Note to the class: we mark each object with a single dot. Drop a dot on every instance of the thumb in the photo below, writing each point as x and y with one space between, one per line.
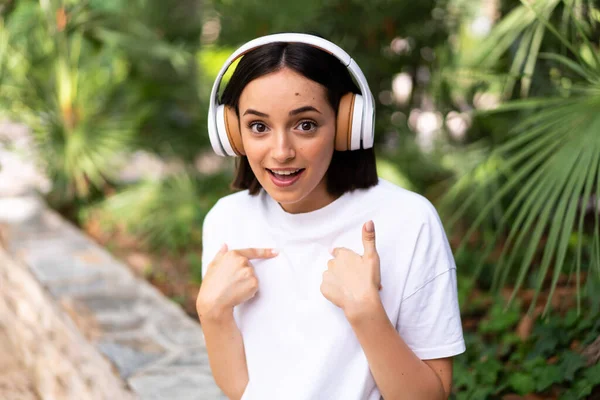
368 237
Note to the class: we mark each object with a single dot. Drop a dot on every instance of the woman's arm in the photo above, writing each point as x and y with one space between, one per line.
226 355
229 280
398 372
351 282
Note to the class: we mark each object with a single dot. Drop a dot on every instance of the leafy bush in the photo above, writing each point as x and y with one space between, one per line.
164 214
501 359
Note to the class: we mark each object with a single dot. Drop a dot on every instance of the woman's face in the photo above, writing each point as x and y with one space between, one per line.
288 131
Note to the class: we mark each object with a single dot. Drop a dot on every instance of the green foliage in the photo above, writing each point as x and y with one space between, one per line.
168 78
178 299
165 214
195 263
548 166
497 362
499 319
389 171
70 69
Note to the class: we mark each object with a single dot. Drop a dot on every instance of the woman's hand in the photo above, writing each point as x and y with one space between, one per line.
229 280
351 281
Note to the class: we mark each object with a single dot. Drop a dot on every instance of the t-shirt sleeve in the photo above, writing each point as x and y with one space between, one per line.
211 238
429 319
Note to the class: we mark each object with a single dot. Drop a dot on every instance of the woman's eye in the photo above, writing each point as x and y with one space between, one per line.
307 126
258 127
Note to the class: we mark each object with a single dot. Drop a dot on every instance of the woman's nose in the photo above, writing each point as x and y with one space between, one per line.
283 147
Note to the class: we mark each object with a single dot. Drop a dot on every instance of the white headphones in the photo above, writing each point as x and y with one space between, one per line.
356 113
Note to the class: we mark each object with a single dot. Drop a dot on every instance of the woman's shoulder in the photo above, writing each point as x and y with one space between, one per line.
237 199
398 201
232 205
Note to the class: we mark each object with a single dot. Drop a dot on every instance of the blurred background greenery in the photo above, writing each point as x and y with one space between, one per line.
490 108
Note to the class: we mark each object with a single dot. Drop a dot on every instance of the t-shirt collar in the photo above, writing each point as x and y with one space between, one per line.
306 223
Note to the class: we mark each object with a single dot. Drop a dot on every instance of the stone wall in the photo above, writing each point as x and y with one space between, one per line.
83 324
57 359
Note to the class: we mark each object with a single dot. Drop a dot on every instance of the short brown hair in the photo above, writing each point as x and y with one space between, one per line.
348 170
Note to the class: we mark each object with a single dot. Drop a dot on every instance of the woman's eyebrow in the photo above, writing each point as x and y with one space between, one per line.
303 109
260 114
293 112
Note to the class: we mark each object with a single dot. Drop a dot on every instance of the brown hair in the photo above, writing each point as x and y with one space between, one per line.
348 170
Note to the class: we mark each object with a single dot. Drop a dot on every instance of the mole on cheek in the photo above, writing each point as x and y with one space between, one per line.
297 94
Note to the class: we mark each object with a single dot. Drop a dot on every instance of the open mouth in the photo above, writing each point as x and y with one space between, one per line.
285 174
285 177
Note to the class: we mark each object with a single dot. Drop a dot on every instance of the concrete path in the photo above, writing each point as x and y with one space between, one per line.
154 346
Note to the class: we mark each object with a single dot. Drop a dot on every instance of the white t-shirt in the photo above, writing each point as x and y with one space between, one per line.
300 346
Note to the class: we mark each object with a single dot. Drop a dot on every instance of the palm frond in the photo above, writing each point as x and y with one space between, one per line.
553 167
74 94
524 30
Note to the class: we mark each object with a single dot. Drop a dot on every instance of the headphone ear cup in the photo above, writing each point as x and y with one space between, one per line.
356 129
349 122
228 129
344 122
233 131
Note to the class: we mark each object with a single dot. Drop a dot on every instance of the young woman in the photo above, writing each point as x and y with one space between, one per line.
299 299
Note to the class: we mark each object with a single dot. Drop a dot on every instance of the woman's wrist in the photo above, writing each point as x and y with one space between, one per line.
364 308
213 312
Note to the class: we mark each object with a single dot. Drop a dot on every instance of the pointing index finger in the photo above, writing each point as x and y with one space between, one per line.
252 253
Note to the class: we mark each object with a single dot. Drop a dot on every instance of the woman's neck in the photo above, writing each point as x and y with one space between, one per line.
315 200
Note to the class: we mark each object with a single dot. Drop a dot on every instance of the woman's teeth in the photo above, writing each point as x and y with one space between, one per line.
285 177
285 173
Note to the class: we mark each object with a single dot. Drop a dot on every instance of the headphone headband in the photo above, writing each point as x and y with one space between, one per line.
368 115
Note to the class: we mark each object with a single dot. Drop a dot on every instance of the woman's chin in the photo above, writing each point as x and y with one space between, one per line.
284 197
